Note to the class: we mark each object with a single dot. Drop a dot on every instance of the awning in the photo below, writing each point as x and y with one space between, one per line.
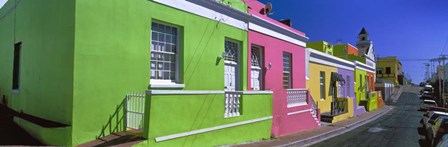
337 77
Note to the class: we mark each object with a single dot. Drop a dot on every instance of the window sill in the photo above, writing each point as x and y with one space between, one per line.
15 91
167 85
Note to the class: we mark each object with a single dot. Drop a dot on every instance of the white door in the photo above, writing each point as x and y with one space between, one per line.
231 65
256 70
230 75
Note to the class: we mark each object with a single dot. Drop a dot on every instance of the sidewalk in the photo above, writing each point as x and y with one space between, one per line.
313 136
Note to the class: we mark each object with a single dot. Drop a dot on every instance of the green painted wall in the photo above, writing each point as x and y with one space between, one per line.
340 51
372 102
46 30
48 136
360 93
77 67
237 4
322 46
112 44
175 114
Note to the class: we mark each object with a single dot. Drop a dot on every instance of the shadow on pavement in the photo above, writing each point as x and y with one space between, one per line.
11 133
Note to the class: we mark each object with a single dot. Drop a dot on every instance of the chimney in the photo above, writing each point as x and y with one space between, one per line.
286 22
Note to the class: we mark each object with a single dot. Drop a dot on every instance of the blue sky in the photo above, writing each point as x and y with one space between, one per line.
409 29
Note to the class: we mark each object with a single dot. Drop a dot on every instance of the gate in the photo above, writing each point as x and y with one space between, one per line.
135 110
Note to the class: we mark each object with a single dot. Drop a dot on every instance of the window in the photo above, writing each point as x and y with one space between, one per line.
16 66
256 70
322 85
231 68
340 90
164 53
360 83
366 83
387 70
348 83
363 38
380 72
287 70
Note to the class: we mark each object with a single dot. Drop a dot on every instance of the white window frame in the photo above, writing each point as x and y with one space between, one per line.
307 63
237 67
259 49
157 83
323 94
290 68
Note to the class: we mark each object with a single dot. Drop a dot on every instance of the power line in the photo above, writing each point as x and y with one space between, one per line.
444 46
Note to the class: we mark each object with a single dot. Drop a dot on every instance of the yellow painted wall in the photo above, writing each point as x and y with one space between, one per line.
391 62
313 84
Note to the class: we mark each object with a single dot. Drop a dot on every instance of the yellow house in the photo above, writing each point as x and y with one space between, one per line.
320 70
319 84
390 69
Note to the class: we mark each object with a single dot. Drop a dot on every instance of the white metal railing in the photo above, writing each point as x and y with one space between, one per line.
135 109
232 103
314 108
297 97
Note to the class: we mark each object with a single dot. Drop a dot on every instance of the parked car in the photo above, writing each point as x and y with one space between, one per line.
441 109
427 104
427 88
422 84
436 132
428 120
426 95
443 141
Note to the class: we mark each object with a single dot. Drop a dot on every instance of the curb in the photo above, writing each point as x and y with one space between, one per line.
318 138
397 95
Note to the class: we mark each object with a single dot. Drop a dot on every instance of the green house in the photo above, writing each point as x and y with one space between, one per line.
173 72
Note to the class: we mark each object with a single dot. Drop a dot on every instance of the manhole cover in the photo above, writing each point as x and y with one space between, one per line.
375 129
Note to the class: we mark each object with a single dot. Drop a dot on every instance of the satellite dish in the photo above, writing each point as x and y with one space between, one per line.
268 8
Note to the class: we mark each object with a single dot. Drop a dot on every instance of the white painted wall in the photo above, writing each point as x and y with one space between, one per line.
2 2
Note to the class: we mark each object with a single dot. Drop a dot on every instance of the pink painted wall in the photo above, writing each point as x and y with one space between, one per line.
256 6
273 80
273 49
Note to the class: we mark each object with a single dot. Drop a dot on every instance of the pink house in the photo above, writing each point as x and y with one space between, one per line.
277 58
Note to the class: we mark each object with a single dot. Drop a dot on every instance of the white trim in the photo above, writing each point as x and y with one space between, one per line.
168 85
184 92
313 51
257 92
301 111
296 105
362 68
15 91
173 136
272 33
204 12
280 26
320 61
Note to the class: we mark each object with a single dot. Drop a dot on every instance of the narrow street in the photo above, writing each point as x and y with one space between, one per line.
398 128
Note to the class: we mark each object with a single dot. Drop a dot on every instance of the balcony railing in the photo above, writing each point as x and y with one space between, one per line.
232 103
297 97
339 106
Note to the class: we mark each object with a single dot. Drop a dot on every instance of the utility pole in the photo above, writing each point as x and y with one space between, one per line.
443 81
441 76
427 72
